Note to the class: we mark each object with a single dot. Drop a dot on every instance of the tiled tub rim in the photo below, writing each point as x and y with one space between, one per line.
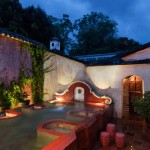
49 131
10 111
64 139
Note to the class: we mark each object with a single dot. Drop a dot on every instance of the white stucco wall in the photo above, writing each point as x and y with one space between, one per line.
105 80
108 80
65 71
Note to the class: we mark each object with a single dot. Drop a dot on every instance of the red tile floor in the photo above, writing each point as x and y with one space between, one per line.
136 131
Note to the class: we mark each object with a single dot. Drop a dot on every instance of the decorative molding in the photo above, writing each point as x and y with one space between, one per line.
89 98
64 92
108 100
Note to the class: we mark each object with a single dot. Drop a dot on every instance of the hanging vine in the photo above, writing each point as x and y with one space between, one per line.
37 54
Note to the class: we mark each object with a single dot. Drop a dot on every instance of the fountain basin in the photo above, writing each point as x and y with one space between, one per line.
9 114
70 135
61 133
102 116
34 107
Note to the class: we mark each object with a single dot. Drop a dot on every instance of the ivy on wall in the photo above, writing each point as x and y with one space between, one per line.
11 96
39 56
37 72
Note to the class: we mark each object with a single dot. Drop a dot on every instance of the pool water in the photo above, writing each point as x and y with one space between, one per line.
21 134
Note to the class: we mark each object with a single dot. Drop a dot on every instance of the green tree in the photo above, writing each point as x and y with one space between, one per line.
123 44
94 33
37 24
62 29
11 13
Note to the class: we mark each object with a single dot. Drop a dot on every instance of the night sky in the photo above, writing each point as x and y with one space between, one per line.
132 16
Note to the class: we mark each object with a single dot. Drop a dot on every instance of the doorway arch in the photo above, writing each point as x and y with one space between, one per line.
132 87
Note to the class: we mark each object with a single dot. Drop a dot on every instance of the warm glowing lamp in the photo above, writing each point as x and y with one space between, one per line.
101 105
59 99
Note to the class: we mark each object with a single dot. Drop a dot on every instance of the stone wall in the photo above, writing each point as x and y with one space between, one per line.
11 59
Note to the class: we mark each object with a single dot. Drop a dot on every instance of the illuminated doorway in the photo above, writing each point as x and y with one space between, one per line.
132 87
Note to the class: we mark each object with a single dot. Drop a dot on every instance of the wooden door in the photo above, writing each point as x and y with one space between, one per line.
135 90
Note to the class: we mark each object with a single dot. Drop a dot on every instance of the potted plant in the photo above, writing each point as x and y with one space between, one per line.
142 106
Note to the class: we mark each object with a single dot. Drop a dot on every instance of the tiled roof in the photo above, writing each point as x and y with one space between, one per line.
18 37
104 61
15 36
95 56
117 59
112 60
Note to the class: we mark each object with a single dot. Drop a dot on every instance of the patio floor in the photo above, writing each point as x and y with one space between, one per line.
136 131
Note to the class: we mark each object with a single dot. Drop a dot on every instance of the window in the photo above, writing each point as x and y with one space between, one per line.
52 44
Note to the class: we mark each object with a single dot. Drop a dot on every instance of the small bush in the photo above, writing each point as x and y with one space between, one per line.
142 105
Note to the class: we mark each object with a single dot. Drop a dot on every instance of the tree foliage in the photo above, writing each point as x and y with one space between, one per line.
93 33
62 29
31 22
37 24
11 15
123 44
96 33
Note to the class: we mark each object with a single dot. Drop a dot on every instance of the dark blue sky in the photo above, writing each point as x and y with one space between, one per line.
132 16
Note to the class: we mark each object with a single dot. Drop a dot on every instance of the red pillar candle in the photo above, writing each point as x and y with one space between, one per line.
111 129
120 140
105 139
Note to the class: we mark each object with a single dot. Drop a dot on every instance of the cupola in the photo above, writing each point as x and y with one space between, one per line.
55 44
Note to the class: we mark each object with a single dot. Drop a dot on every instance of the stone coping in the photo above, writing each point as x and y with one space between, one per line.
83 133
65 140
34 107
10 114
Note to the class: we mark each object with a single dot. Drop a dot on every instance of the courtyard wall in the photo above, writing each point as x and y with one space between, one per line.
64 72
108 81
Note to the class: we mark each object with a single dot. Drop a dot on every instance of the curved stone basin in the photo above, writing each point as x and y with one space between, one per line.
34 107
9 114
96 113
83 113
62 127
60 133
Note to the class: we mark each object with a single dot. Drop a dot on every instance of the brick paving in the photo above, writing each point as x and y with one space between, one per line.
136 131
